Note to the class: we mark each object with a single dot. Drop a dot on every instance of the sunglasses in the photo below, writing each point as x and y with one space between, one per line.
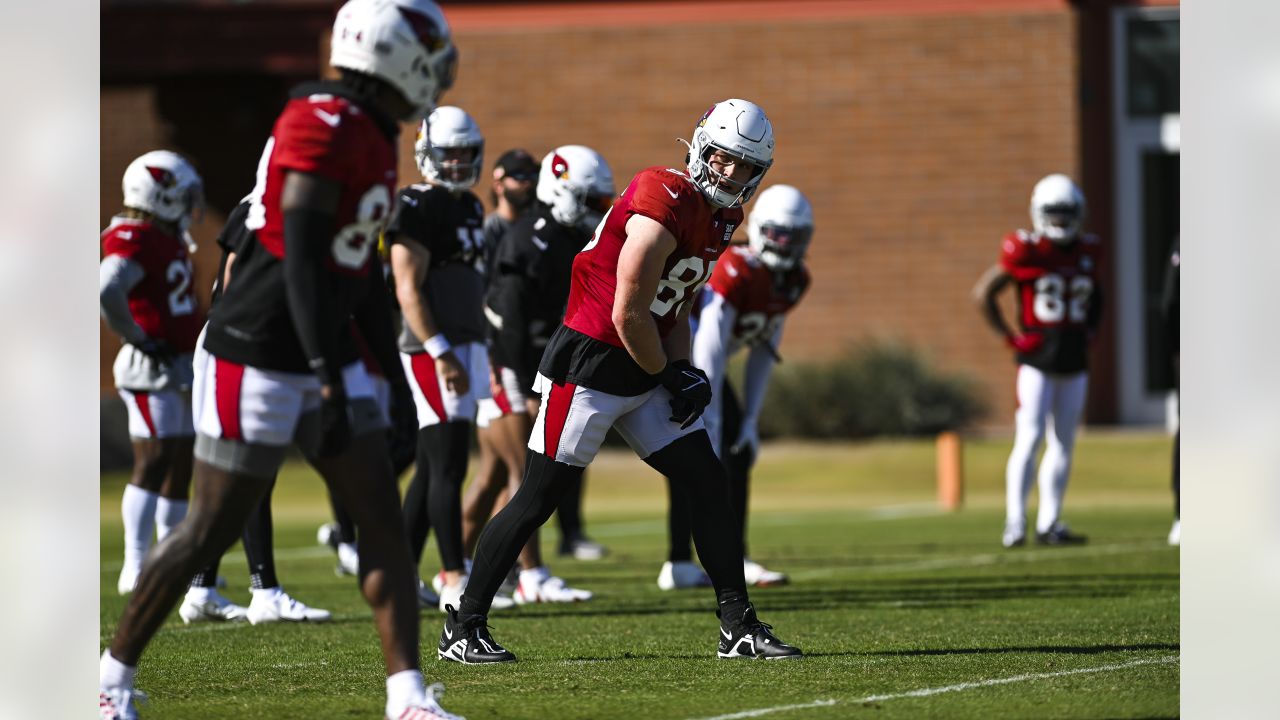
521 176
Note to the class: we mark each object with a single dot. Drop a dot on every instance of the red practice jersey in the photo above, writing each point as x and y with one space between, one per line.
323 132
760 297
329 136
702 233
162 303
1058 295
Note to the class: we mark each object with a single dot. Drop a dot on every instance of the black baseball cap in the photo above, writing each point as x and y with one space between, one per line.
517 163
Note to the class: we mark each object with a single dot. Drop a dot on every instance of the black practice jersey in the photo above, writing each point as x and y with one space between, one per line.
528 289
450 227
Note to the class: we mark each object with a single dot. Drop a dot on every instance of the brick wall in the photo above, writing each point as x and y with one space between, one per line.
917 137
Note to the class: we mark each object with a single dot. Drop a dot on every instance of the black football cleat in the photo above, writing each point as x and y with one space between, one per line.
1060 534
750 638
469 642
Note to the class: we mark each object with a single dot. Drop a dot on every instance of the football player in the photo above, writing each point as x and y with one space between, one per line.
269 603
280 364
525 302
146 298
743 305
436 244
1054 272
620 359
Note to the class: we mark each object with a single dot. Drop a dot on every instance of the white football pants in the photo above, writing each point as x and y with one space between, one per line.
1055 401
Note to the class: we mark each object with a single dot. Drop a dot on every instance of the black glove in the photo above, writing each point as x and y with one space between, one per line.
335 423
157 350
690 391
402 438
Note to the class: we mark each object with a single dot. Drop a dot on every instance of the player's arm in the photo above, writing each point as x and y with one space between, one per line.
987 294
640 266
755 380
509 297
409 263
710 353
374 316
309 205
117 276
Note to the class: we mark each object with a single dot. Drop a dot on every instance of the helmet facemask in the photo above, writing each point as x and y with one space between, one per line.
722 190
780 247
1059 222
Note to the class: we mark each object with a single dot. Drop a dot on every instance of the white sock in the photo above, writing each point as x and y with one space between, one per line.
138 510
114 674
168 514
404 690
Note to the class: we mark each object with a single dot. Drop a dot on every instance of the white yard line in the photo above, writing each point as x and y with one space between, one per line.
886 512
925 692
1009 556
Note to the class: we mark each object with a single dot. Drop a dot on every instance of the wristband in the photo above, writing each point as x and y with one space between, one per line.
437 345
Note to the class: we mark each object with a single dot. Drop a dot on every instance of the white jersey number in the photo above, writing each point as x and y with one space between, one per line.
353 243
178 274
1056 299
674 289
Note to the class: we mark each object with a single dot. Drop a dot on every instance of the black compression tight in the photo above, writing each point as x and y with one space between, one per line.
259 546
434 498
694 469
545 483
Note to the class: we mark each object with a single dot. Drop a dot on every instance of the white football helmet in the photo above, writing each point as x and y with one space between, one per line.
780 227
1057 208
578 185
450 148
405 43
165 185
739 128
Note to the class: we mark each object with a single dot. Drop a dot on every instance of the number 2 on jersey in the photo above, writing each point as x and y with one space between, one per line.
1056 299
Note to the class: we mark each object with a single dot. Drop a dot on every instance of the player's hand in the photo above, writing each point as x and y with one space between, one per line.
1025 344
402 439
690 391
335 423
454 375
748 440
157 350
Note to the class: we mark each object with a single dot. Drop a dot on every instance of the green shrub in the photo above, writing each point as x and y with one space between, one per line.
873 389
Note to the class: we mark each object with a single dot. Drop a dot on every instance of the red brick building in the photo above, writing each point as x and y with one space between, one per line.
916 127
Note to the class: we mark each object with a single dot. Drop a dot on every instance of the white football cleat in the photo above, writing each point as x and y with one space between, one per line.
539 585
119 703
451 595
428 708
502 602
1015 535
1175 532
128 579
437 582
327 534
682 574
207 604
760 576
275 605
348 560
584 549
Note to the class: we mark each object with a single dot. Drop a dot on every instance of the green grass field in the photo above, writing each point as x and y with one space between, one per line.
903 611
